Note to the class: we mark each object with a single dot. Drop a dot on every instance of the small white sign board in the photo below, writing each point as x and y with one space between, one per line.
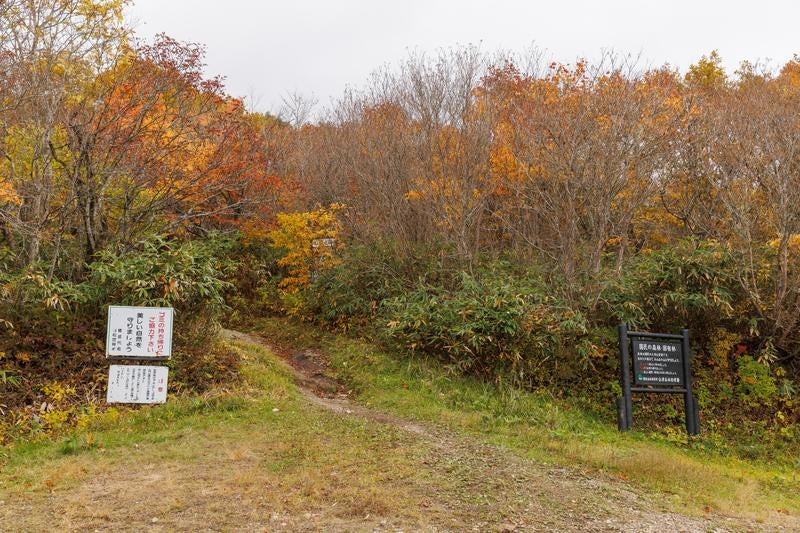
137 384
327 242
139 332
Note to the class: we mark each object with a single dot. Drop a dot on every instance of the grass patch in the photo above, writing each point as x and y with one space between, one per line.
261 456
266 385
254 458
687 471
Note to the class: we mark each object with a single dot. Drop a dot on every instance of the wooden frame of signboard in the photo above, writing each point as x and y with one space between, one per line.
661 364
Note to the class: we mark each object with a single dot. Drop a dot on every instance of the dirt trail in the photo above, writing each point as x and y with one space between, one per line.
318 385
582 502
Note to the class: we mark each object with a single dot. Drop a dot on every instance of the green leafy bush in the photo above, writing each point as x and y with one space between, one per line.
189 276
352 291
690 284
164 272
756 386
492 324
52 330
253 284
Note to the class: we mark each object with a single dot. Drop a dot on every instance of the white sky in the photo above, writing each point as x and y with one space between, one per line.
267 49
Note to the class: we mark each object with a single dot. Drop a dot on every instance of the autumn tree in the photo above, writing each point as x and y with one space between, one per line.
578 153
106 140
50 50
159 148
756 169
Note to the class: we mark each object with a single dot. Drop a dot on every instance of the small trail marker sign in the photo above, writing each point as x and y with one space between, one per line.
139 332
661 365
137 384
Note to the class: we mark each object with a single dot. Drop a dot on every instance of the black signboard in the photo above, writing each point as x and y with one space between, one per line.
657 362
661 365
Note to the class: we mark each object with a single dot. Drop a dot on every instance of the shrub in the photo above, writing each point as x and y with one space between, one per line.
253 284
756 385
189 276
691 284
52 330
492 325
353 290
309 241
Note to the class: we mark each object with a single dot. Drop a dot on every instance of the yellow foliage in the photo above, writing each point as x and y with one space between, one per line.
83 421
504 164
55 419
721 345
21 146
793 244
108 418
708 72
7 193
55 391
310 241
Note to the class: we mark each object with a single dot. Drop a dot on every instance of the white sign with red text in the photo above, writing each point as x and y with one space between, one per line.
139 332
137 384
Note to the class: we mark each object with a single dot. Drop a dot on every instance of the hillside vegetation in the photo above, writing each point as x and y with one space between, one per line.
498 215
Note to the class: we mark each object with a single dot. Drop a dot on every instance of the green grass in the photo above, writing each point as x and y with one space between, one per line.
259 450
231 457
261 456
268 384
537 425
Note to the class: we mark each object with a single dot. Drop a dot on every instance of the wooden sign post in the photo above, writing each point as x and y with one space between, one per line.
661 364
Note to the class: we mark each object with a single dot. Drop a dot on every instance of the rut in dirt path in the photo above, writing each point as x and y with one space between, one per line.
536 496
317 384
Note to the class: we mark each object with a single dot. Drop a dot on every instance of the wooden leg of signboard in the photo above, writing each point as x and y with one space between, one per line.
622 417
690 408
625 376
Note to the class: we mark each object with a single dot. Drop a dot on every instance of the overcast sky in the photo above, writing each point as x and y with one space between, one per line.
266 49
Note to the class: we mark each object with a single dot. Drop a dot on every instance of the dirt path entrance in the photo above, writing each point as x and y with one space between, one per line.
321 388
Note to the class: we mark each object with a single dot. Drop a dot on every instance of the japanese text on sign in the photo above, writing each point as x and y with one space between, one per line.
137 384
657 363
139 332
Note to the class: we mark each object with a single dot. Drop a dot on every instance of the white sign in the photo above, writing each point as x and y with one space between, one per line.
137 384
327 242
139 332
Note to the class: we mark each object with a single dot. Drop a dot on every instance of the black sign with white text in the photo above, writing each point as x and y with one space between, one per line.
661 365
657 362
